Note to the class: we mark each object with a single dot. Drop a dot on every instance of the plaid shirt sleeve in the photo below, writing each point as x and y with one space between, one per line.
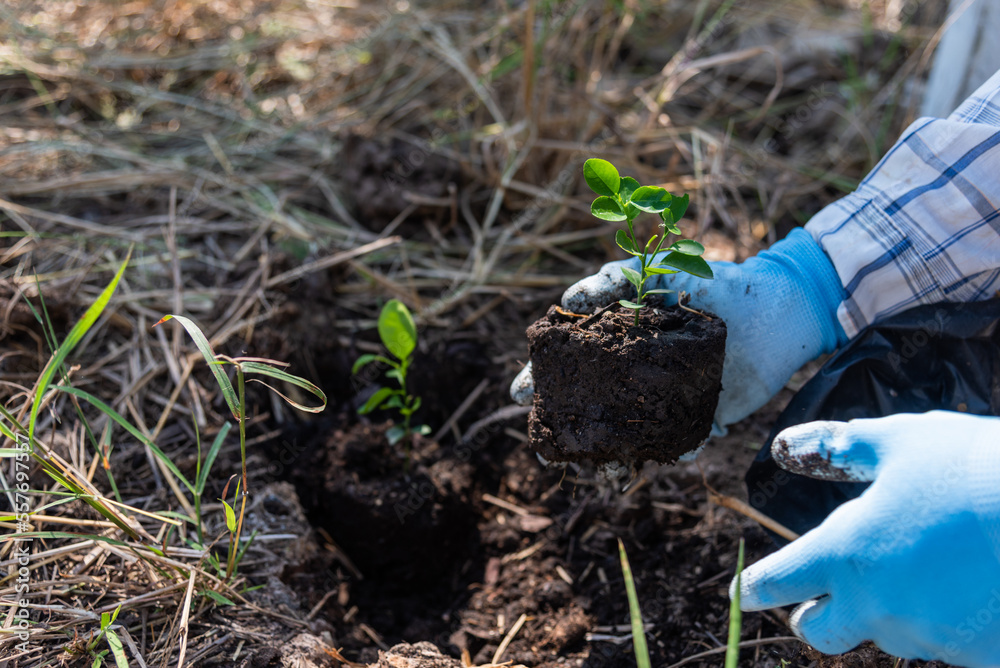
923 226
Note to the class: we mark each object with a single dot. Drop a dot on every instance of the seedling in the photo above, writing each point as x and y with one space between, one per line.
634 612
399 336
236 401
117 649
735 617
622 198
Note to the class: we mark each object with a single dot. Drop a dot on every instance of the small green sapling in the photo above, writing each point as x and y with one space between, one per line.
399 336
622 198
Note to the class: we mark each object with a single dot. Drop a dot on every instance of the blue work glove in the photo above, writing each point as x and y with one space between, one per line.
779 306
914 562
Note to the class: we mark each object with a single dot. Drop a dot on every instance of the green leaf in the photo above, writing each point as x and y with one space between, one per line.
395 374
80 329
117 649
668 223
651 199
649 244
282 375
230 516
395 434
607 208
422 429
634 612
678 207
627 304
692 264
634 277
625 243
129 427
660 270
217 597
735 617
201 342
629 186
659 291
365 360
374 401
415 406
395 401
396 329
688 247
602 177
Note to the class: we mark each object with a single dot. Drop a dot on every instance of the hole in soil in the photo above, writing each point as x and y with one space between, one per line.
458 542
407 525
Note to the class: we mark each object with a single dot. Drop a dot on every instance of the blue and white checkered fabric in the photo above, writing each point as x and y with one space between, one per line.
924 225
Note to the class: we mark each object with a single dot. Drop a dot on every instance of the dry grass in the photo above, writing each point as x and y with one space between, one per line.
245 149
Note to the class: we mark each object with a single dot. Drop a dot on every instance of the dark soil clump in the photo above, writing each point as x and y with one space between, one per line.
608 391
395 513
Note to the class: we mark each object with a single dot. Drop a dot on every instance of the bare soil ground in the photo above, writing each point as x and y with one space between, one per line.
279 169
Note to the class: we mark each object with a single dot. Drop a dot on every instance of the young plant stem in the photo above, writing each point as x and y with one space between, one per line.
735 617
197 492
242 489
645 259
407 411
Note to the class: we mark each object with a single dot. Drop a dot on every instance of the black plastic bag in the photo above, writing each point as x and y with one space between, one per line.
939 356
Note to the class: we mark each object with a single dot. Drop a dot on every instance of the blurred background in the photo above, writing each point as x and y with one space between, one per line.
250 138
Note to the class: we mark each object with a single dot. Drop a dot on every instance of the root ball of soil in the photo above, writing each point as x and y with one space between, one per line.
606 390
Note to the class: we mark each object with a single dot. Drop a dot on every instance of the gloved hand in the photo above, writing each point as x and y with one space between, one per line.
780 309
914 562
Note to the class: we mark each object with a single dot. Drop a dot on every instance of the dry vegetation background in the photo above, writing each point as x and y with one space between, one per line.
280 168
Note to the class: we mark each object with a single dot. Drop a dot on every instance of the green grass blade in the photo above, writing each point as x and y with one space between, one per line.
246 546
54 471
265 370
201 342
213 452
40 509
79 330
217 597
735 617
634 613
6 431
53 535
44 321
127 426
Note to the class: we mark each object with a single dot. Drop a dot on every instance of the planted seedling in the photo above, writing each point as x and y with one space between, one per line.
621 198
399 336
634 612
735 616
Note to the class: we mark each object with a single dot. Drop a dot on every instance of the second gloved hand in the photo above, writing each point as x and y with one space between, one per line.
779 307
914 562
